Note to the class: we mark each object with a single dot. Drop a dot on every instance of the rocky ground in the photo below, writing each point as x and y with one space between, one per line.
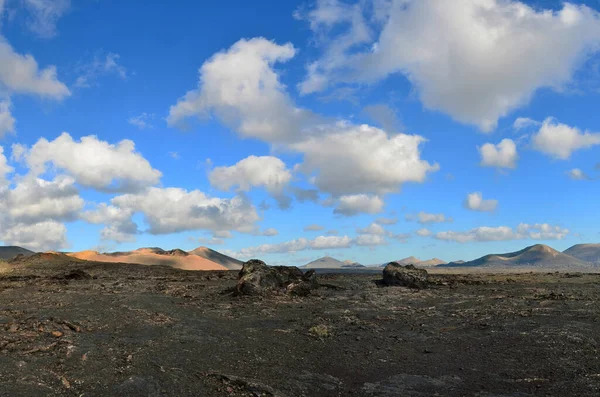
87 329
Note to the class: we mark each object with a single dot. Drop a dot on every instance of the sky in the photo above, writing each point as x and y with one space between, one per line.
367 130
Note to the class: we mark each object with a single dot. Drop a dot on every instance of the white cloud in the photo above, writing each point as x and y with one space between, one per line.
300 244
32 212
330 242
560 140
44 15
20 74
541 231
313 228
484 233
524 122
502 155
384 116
172 210
505 233
425 218
119 226
323 18
100 65
370 240
34 200
424 232
578 175
373 229
362 159
475 202
143 121
339 158
5 169
270 232
94 163
7 121
48 235
476 60
359 203
240 87
265 171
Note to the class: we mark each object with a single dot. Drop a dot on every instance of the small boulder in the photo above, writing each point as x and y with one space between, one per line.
406 276
256 278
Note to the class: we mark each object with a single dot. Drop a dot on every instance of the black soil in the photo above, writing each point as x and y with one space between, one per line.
87 329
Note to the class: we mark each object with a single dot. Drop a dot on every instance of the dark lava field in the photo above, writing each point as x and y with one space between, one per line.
89 329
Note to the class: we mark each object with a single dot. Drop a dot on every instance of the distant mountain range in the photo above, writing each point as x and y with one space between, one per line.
536 256
411 260
203 258
328 262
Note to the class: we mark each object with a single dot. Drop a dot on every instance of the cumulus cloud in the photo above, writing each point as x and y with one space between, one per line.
475 202
384 116
100 65
34 200
20 74
370 240
5 169
504 233
44 14
300 244
424 232
524 122
502 155
270 232
373 229
48 235
560 140
359 203
362 159
240 87
7 121
119 226
265 171
468 58
93 163
172 210
425 218
313 228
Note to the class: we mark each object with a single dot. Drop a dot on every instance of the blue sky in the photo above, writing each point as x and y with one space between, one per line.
392 128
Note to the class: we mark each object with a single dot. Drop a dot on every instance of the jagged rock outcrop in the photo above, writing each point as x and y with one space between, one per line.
256 278
406 276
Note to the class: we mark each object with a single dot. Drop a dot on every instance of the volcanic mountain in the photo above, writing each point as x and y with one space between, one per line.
328 262
540 256
585 252
199 259
10 252
411 260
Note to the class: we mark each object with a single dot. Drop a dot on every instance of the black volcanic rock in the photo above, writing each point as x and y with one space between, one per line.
256 278
406 276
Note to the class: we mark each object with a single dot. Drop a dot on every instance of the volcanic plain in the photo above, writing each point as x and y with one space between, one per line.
79 328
